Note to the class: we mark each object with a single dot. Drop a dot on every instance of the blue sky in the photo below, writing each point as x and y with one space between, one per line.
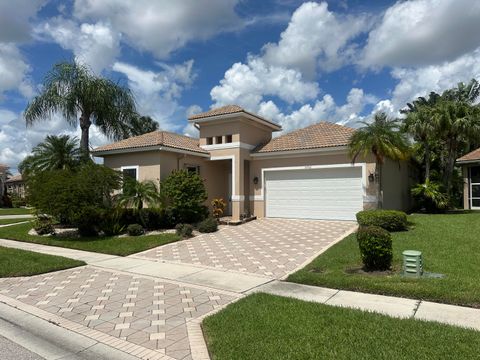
291 61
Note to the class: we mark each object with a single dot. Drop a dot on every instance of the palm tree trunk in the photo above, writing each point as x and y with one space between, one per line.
450 165
427 161
379 185
85 127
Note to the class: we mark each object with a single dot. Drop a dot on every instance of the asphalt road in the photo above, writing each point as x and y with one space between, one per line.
11 351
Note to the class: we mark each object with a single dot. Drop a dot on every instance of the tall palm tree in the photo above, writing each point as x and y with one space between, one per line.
72 90
54 153
383 139
138 193
140 125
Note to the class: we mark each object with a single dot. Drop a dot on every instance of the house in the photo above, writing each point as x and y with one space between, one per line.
16 186
470 164
304 174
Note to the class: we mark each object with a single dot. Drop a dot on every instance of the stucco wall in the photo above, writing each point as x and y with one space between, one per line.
147 161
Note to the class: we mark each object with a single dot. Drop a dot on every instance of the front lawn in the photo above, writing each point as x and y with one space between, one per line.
264 326
17 262
11 221
450 244
15 211
114 245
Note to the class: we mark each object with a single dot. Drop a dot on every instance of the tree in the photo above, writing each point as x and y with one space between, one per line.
138 193
140 125
383 139
71 89
54 153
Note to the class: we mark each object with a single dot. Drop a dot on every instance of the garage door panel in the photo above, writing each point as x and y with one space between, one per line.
334 193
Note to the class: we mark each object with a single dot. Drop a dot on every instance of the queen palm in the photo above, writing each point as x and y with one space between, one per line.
383 139
74 92
138 193
54 153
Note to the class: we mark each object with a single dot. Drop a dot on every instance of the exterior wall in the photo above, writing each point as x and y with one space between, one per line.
17 188
396 183
257 203
148 163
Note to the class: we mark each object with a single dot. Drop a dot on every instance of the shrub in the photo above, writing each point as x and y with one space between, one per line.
135 230
110 223
43 225
184 230
390 220
430 196
152 218
87 219
218 206
208 225
375 246
17 201
184 194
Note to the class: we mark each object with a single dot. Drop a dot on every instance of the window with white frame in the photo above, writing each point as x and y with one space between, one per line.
129 173
195 169
474 193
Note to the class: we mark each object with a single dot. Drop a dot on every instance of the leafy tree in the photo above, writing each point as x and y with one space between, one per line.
138 193
383 139
70 89
184 194
430 196
54 153
140 125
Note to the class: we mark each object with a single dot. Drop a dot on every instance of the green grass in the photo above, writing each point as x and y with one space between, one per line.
267 327
17 262
15 211
450 244
11 221
107 244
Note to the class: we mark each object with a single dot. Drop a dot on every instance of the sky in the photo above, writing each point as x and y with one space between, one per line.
293 62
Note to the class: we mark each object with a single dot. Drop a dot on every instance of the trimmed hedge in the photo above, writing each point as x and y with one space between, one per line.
375 246
184 230
135 230
390 220
208 225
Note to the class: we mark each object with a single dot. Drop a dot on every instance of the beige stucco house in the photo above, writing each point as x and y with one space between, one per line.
16 186
304 174
470 164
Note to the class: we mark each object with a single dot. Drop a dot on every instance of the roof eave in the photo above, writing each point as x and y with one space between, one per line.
296 152
462 162
256 118
101 153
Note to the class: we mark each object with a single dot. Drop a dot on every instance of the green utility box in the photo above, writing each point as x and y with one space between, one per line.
412 263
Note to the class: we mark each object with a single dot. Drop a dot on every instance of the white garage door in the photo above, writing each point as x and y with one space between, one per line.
331 193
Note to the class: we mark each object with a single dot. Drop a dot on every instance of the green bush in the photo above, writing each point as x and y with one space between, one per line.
71 195
43 225
390 220
110 223
184 230
375 246
431 197
208 225
87 219
17 201
135 230
184 193
152 218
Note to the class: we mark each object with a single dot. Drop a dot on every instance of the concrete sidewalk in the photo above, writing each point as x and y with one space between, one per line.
186 273
25 216
386 305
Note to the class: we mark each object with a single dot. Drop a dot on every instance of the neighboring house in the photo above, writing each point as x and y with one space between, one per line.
16 186
304 174
470 164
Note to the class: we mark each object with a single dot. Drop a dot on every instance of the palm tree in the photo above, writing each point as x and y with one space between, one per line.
383 139
140 125
136 193
71 89
54 153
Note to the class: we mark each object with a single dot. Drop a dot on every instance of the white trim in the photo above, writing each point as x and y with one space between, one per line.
232 145
228 157
246 114
238 197
256 197
261 197
148 148
136 167
300 152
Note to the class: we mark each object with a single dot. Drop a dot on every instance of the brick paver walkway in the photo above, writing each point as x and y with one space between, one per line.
152 313
269 247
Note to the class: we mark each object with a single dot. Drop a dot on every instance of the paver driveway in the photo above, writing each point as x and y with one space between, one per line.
268 247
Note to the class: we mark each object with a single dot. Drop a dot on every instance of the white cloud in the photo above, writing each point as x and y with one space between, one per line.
424 32
15 17
247 84
157 92
162 26
13 71
94 44
315 38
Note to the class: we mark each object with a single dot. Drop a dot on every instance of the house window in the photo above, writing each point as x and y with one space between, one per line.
209 140
218 140
129 172
195 169
228 139
474 187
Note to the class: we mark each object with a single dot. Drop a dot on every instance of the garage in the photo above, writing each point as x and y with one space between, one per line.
325 193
